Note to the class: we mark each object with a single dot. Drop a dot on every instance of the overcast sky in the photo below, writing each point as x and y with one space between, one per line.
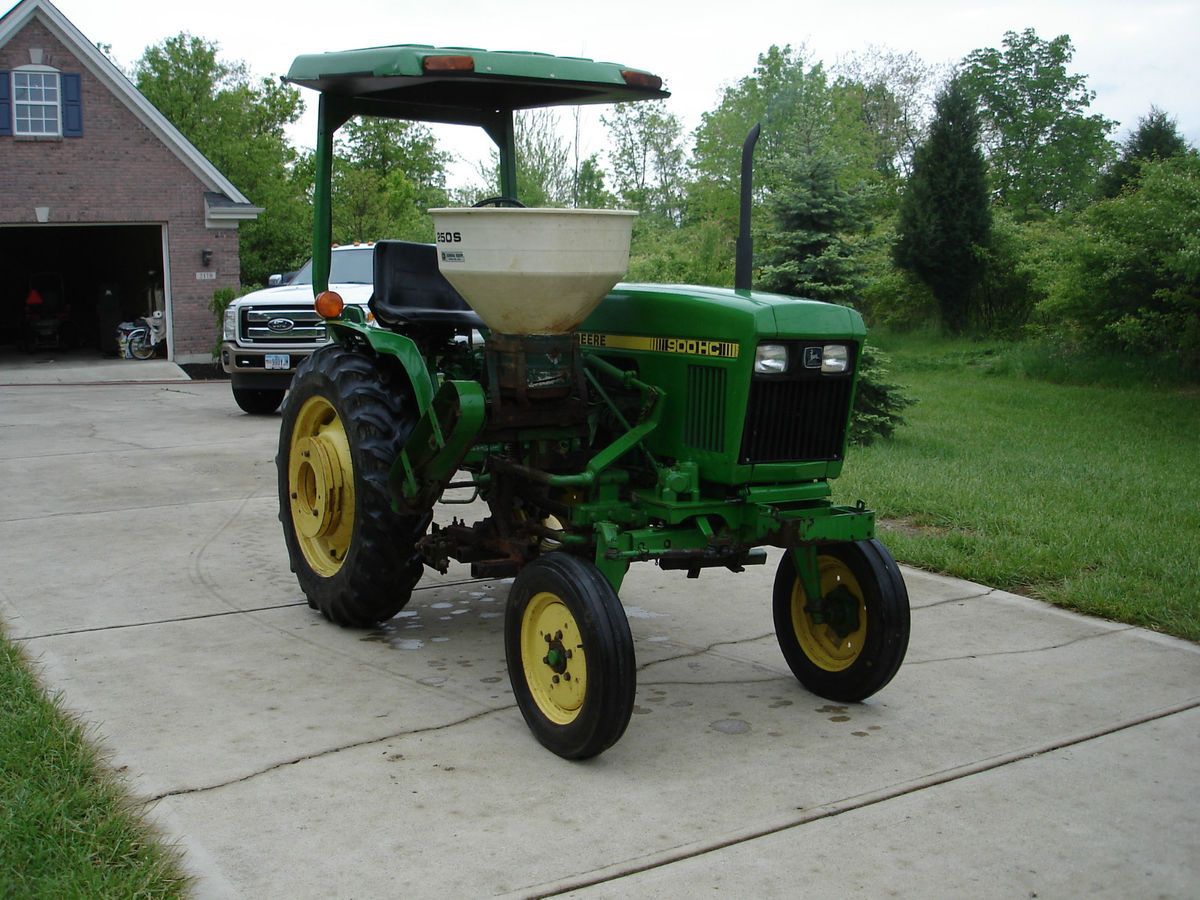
1133 54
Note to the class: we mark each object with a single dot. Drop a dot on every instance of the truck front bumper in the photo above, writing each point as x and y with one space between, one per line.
253 367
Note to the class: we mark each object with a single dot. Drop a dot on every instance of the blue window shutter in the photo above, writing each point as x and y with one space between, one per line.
5 104
72 111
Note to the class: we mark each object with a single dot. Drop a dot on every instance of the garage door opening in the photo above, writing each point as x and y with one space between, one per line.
66 288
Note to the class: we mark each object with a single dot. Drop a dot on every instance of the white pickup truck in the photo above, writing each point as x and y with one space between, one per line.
268 333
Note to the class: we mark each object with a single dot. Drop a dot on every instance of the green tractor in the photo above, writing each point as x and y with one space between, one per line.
603 423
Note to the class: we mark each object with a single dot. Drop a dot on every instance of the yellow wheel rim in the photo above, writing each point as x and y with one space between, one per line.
821 643
552 658
321 486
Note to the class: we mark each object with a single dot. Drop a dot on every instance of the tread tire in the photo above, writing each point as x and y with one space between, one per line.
608 644
381 567
886 600
258 401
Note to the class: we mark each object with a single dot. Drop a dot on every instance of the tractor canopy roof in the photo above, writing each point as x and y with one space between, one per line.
464 85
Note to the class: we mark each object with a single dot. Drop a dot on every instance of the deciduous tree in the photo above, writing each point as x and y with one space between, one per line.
238 123
1044 148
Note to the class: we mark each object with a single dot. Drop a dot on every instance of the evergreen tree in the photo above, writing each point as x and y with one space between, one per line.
810 251
945 219
1156 137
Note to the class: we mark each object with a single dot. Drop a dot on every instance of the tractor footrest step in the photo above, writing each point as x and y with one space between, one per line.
494 568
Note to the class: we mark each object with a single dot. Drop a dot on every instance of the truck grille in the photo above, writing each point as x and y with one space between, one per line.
704 426
798 417
269 325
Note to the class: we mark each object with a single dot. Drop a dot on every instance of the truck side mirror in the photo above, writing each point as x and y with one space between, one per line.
274 280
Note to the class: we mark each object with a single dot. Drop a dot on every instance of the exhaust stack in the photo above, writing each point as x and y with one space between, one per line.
743 270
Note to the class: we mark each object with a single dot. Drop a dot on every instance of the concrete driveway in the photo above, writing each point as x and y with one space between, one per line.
1021 750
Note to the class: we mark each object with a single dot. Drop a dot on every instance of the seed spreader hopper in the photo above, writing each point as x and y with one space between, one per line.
603 423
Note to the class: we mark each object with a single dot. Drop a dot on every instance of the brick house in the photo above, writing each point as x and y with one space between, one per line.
102 200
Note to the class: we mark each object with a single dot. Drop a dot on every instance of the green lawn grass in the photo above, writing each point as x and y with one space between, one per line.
1085 496
65 828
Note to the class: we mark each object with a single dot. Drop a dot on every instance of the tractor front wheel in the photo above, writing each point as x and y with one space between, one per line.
849 642
570 656
344 422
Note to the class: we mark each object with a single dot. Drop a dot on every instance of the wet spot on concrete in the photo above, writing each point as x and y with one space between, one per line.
839 718
442 604
459 612
443 618
641 711
490 615
774 734
491 679
407 614
681 703
655 699
432 680
440 640
831 709
779 704
874 727
730 726
860 734
408 644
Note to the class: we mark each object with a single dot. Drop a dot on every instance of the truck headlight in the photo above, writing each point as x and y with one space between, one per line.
771 359
835 358
229 329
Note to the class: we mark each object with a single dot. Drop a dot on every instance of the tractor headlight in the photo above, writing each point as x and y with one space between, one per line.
229 329
835 358
771 359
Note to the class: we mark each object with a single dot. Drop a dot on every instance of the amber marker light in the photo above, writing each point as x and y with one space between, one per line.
448 64
329 304
642 80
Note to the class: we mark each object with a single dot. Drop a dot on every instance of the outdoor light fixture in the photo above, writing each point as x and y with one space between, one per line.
205 258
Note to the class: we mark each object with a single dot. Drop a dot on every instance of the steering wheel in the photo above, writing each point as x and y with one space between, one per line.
499 201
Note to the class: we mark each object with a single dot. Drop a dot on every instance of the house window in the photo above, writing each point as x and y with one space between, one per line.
37 102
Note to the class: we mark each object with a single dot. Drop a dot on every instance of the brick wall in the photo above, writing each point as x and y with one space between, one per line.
117 173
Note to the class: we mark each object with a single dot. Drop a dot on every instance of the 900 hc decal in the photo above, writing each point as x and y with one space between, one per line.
690 346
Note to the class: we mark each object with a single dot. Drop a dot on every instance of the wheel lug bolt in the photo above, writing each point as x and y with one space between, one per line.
555 679
546 660
558 635
566 676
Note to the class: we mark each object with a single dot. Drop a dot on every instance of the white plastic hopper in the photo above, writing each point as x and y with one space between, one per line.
533 271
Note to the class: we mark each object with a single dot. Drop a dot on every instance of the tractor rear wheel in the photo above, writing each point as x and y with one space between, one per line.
344 422
570 656
850 643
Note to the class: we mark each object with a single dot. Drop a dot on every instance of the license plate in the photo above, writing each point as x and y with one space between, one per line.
278 361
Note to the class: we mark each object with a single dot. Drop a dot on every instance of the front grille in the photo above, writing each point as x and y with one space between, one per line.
800 416
704 425
791 421
254 325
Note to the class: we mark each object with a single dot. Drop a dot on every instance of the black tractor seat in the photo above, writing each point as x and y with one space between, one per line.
411 291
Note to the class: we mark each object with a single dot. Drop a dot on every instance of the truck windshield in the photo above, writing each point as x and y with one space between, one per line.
352 266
